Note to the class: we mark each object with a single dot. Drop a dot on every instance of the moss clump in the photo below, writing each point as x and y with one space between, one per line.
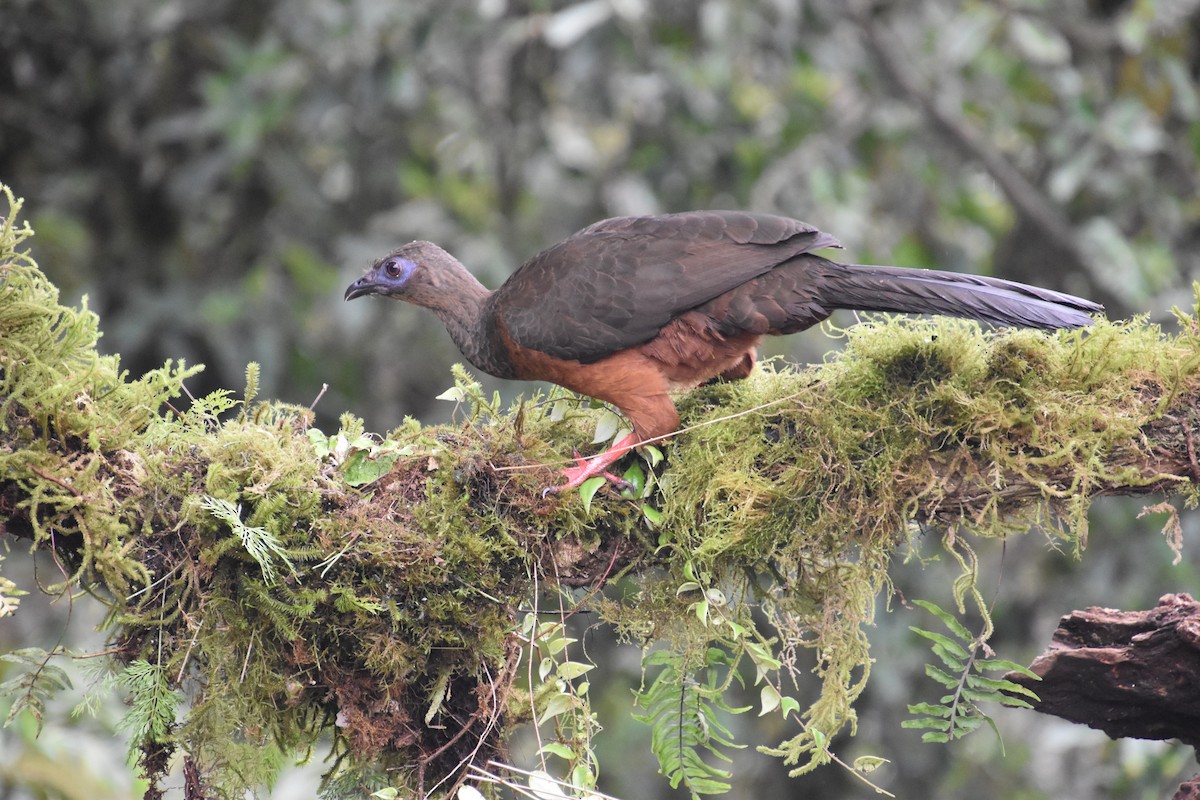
70 420
306 606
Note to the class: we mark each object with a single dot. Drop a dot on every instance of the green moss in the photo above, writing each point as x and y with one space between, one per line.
820 480
368 587
56 390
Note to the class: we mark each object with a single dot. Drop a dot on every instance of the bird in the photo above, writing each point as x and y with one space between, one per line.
632 310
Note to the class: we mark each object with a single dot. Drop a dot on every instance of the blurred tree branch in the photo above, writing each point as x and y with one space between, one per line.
1030 202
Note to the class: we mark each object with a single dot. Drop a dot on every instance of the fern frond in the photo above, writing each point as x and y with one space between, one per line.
683 718
959 713
262 545
31 689
152 702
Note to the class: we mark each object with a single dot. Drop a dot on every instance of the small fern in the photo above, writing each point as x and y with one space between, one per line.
262 545
31 689
152 702
682 715
958 713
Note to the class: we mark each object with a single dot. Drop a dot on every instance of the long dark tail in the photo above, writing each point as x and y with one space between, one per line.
921 291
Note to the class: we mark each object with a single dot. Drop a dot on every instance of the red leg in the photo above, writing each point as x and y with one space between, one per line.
595 465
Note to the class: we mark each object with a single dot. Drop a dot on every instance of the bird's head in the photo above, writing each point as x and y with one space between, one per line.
418 272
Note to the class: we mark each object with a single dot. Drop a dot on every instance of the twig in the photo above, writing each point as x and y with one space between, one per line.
324 388
53 479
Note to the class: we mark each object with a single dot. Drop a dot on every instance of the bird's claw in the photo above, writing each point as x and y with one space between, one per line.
577 475
595 465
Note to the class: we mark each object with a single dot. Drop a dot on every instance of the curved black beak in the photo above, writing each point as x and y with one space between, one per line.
363 286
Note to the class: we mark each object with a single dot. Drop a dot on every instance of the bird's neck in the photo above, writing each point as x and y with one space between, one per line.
470 321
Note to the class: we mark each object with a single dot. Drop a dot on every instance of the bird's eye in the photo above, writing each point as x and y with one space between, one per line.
392 267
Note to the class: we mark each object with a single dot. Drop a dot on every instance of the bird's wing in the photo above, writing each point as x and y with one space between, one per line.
617 283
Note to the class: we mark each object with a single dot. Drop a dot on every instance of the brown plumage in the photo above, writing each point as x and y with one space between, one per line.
630 309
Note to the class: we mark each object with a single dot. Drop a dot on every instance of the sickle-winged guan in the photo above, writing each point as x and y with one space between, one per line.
631 309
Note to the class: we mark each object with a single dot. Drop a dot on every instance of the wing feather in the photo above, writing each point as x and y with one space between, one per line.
618 282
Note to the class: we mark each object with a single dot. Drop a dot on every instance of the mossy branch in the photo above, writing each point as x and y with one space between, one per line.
380 600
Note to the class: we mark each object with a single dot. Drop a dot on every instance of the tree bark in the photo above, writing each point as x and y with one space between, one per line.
1127 673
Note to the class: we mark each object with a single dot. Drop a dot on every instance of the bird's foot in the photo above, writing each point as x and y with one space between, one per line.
595 466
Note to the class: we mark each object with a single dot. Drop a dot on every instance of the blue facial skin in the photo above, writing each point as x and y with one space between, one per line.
396 271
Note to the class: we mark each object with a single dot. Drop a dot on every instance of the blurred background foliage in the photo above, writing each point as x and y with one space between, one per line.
211 175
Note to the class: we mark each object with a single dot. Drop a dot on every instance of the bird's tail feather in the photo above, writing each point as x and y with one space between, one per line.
919 291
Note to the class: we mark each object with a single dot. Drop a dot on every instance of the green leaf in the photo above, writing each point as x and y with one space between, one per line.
994 664
583 776
764 660
261 544
31 689
948 619
707 786
928 709
967 723
55 678
1014 702
950 660
454 394
978 696
683 722
606 426
992 724
558 749
320 442
652 515
868 764
945 642
659 658
557 704
652 454
152 702
926 722
361 468
999 685
770 699
557 644
569 670
588 489
949 681
558 411
637 477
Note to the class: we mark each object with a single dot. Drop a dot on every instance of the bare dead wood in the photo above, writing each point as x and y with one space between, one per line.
1190 790
1129 674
